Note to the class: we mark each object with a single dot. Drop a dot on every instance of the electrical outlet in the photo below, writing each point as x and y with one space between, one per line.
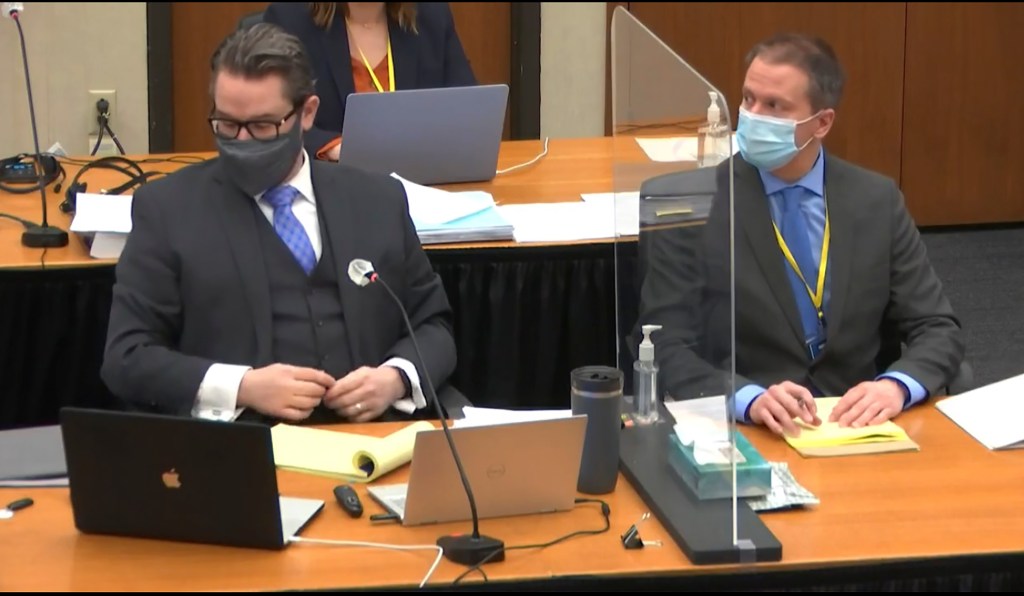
94 96
107 146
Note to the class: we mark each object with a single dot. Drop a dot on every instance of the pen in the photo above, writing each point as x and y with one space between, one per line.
665 212
13 506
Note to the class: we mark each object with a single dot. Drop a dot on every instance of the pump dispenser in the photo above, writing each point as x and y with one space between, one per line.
645 378
712 138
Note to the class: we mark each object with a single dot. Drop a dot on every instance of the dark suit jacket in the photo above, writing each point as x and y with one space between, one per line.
192 288
884 292
431 58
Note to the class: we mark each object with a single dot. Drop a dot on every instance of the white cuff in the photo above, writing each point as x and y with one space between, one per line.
409 405
218 393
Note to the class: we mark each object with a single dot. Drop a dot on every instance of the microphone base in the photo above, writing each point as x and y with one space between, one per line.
468 550
44 237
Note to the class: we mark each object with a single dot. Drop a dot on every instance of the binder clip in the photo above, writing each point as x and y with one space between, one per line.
631 539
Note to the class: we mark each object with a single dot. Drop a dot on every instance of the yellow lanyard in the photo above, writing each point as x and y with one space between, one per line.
818 295
373 75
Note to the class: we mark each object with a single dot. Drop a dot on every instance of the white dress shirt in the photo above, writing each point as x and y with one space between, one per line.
217 398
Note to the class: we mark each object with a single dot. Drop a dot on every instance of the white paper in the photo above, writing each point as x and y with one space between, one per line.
432 207
670 149
625 208
559 222
487 416
993 414
107 245
102 213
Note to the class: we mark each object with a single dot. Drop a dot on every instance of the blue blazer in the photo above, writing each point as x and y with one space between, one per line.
433 57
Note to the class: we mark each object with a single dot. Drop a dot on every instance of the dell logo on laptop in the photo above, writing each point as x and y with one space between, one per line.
171 479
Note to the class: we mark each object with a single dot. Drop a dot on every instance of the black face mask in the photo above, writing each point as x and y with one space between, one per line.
255 166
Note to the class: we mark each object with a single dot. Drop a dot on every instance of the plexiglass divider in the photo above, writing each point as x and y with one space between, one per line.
672 183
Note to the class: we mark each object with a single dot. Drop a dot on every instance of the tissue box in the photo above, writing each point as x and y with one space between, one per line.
714 481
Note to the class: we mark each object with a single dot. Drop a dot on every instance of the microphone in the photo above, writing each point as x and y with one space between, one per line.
45 235
468 550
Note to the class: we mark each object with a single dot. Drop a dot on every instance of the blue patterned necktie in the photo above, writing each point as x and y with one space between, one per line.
288 227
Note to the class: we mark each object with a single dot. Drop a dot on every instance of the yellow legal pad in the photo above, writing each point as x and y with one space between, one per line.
830 439
347 456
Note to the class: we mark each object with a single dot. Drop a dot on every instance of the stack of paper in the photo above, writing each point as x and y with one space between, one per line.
443 216
830 439
107 219
991 414
347 456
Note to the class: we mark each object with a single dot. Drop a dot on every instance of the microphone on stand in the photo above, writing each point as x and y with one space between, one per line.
45 235
466 550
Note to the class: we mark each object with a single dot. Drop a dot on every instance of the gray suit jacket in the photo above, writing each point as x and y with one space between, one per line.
192 289
887 310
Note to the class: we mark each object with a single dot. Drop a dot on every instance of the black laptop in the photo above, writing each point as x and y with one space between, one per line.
180 479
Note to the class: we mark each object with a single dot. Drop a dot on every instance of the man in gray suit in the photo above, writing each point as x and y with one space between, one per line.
834 293
232 293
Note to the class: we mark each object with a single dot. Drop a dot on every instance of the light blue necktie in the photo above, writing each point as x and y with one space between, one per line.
288 227
796 231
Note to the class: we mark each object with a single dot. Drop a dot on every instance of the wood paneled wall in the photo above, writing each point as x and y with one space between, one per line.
932 96
196 28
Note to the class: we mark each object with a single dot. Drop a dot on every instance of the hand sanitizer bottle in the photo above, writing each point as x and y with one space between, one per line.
712 138
645 379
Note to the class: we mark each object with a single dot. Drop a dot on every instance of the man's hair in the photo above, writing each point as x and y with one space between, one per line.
814 56
261 50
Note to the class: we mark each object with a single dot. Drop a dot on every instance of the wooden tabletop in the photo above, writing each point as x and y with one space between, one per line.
571 167
954 497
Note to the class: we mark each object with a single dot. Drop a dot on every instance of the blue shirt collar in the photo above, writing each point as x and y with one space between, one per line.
813 180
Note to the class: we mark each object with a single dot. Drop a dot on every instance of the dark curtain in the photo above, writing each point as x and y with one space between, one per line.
524 318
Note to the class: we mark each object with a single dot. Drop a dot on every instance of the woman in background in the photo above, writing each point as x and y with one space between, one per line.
365 47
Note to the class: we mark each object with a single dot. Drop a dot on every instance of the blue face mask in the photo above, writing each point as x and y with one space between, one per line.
766 142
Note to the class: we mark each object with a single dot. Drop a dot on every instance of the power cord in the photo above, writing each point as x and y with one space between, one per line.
529 163
399 547
606 512
103 122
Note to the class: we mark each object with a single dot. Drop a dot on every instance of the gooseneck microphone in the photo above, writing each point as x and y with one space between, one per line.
45 235
469 550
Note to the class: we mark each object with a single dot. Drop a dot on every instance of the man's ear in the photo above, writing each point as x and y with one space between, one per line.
309 111
825 120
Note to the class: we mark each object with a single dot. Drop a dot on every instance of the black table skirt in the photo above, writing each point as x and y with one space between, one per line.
524 318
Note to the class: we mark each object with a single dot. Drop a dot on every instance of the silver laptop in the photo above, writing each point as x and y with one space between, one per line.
428 136
181 479
513 469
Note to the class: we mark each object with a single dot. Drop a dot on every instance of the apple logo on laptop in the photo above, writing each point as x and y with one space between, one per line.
171 479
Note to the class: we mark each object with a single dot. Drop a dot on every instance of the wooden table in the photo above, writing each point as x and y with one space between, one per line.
571 167
952 499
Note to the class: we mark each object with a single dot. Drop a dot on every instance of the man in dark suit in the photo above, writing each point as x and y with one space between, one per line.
424 48
232 293
831 275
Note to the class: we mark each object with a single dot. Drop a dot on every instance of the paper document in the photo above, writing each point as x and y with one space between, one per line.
670 149
488 416
993 414
349 456
107 245
431 207
102 213
831 439
623 207
559 222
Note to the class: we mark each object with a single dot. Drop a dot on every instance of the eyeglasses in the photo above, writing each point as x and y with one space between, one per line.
261 130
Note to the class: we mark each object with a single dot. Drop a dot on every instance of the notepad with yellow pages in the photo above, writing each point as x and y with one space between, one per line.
830 439
347 456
